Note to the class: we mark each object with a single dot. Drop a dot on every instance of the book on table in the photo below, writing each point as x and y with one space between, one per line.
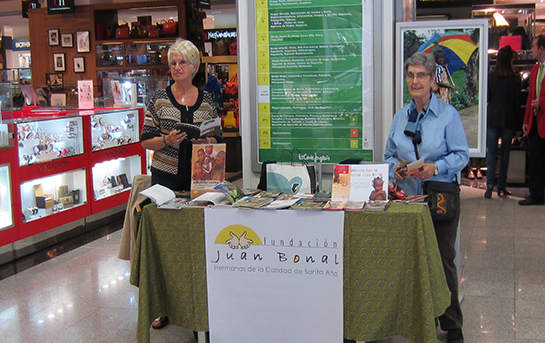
164 197
209 199
207 167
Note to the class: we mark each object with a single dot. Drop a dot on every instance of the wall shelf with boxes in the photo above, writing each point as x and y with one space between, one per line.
65 187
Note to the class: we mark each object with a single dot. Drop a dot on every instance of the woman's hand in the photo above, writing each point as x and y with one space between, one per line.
425 172
205 140
175 137
401 172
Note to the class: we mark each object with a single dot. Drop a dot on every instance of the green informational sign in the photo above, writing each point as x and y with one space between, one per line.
311 81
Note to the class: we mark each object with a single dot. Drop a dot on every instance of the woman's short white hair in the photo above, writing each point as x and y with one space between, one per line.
187 50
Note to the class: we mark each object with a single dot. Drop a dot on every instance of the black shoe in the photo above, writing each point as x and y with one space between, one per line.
488 193
531 201
455 336
159 323
503 191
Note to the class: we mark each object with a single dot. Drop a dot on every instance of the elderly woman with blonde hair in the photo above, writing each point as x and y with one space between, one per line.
181 102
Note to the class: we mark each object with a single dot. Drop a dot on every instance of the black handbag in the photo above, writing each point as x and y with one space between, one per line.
443 199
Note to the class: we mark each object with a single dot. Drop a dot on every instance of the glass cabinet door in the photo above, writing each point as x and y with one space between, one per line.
41 141
53 194
6 211
114 176
114 128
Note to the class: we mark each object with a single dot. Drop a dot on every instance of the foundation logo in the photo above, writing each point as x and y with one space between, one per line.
237 235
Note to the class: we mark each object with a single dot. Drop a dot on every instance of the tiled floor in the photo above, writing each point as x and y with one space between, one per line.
84 294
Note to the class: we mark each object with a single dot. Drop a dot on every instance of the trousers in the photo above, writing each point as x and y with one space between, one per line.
446 233
492 136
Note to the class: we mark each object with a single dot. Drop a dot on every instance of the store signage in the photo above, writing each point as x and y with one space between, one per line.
20 44
120 152
216 34
26 5
314 80
60 6
53 166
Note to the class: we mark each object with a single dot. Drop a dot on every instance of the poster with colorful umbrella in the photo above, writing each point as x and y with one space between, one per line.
457 46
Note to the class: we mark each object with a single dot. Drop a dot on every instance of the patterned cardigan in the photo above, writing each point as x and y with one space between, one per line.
163 112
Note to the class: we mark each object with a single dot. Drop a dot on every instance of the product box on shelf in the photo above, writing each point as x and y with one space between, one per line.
43 200
67 201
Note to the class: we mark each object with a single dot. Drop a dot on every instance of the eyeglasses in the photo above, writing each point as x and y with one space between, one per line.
181 63
419 76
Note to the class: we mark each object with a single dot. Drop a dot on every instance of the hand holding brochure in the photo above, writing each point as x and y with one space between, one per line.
206 129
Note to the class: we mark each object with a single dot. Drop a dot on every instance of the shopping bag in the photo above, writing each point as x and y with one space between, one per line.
291 178
231 86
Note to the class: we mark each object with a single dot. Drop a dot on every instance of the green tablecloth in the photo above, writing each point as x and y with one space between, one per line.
394 283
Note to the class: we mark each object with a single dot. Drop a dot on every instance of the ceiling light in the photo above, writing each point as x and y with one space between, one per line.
500 20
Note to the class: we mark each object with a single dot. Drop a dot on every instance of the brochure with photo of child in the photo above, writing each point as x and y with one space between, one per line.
207 167
360 182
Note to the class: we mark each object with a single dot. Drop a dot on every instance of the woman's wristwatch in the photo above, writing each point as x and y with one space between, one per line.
165 142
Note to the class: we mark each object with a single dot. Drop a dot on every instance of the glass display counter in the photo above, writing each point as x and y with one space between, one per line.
114 128
119 91
49 139
6 213
114 176
53 194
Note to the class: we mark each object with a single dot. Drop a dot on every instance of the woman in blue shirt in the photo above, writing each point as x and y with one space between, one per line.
430 129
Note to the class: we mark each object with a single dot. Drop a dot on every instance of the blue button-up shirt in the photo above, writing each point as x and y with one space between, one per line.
444 143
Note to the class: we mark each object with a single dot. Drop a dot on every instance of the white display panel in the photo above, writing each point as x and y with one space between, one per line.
112 129
53 194
112 177
45 140
6 211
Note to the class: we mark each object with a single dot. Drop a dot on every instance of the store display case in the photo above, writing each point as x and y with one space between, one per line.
53 194
114 128
6 211
143 86
115 176
109 54
146 53
49 139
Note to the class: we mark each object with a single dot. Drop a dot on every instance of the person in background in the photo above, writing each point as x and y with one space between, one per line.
435 129
502 122
534 126
442 86
180 102
43 94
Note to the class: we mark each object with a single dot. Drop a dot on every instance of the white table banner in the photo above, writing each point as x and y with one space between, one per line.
274 276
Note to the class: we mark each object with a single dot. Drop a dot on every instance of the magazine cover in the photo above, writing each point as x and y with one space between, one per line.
207 167
360 182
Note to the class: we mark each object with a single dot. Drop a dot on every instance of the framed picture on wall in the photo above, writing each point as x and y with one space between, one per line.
55 81
460 50
83 42
53 37
58 99
79 64
59 62
67 40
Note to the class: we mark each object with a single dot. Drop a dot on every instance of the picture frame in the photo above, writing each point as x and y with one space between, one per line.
67 40
79 64
59 61
83 42
58 99
467 70
55 81
54 37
